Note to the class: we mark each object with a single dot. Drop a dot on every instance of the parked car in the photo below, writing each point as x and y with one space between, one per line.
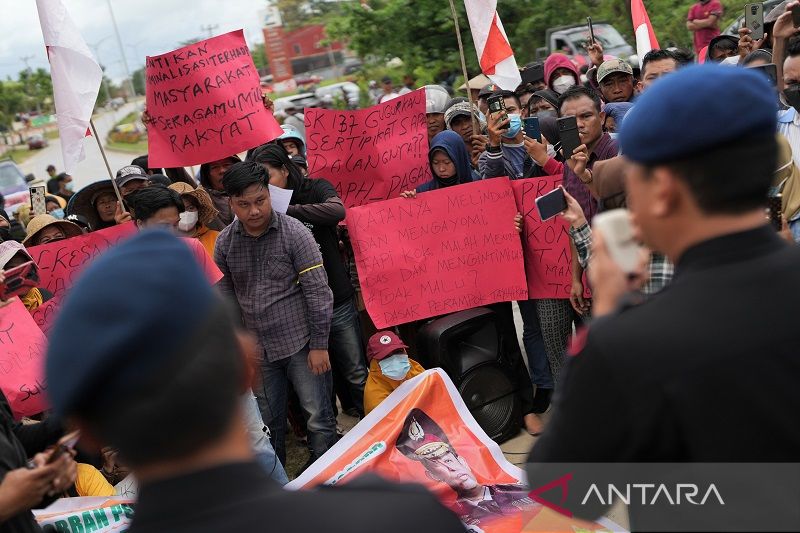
572 40
347 91
37 142
299 101
14 185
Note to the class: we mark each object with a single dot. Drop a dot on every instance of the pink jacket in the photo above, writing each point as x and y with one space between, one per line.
556 61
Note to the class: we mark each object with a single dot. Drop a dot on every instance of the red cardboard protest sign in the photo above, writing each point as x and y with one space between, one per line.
22 352
204 102
547 244
441 252
370 154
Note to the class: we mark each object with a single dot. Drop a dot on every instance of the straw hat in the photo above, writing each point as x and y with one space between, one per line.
82 202
206 212
38 223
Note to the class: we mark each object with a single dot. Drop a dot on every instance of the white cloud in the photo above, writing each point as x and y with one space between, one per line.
147 27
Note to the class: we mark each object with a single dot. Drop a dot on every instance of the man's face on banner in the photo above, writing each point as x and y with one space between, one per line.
453 471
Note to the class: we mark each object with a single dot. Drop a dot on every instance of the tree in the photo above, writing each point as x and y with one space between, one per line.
259 56
138 80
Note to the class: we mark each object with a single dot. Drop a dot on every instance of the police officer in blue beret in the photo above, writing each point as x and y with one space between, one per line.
708 369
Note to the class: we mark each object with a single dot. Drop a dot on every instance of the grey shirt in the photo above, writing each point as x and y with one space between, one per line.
279 282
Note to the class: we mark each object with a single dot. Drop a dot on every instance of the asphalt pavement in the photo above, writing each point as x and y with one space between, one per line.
92 168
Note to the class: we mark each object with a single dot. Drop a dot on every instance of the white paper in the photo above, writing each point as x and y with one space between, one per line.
280 198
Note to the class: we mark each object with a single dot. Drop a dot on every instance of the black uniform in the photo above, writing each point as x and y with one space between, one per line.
240 497
708 370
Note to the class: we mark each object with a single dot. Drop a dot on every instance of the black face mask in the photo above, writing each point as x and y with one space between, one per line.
447 182
792 95
5 235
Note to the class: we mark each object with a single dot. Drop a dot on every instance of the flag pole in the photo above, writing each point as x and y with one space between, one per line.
105 160
476 129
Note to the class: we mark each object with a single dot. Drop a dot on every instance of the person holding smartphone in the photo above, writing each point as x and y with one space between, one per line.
505 154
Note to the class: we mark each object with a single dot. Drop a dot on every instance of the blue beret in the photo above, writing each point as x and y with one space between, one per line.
696 109
129 312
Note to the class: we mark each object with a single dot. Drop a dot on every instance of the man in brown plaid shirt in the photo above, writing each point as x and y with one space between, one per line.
273 267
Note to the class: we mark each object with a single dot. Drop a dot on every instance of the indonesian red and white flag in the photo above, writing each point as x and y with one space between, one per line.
76 78
494 51
645 36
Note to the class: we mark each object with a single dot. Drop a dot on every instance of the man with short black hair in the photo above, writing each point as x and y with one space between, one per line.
156 206
679 362
166 394
655 64
273 268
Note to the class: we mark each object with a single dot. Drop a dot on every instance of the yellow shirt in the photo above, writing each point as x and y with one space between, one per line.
378 386
90 482
32 299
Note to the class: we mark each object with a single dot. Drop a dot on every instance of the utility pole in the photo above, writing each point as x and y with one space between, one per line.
96 49
210 29
121 49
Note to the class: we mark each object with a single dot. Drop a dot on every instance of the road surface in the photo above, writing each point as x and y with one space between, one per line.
92 168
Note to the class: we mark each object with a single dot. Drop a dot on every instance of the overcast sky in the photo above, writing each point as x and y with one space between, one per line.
147 27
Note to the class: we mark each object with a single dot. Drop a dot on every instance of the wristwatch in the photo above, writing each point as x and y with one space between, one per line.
494 149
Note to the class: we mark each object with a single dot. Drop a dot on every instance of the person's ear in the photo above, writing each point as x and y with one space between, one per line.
139 224
666 192
603 118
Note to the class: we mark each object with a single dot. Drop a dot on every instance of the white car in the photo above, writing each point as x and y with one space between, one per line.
299 101
348 91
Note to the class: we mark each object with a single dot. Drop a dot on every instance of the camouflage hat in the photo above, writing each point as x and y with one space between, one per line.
613 66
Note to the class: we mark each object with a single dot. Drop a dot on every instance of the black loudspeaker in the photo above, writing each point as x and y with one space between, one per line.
473 349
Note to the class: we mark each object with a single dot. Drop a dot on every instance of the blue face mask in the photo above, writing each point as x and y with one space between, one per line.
514 126
58 213
70 186
395 367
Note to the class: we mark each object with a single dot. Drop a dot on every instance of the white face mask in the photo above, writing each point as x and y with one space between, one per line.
562 83
188 221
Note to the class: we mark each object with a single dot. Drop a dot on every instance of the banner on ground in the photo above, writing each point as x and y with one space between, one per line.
204 103
96 513
60 263
370 154
22 351
547 244
427 415
443 251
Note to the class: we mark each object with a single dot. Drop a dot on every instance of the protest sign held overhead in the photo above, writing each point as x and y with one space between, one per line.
371 154
546 244
22 352
421 424
204 103
441 252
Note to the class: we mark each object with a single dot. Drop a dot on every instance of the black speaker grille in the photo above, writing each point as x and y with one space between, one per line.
490 397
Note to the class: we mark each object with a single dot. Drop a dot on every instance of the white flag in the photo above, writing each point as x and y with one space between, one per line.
491 43
76 78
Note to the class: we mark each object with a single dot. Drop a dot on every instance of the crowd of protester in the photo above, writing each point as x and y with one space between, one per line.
692 151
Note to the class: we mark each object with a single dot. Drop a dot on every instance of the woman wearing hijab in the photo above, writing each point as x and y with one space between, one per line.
211 180
450 164
615 113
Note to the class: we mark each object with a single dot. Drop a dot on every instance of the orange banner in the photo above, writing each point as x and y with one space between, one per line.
424 433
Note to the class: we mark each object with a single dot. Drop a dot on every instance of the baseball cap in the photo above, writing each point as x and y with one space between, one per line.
613 66
130 172
383 344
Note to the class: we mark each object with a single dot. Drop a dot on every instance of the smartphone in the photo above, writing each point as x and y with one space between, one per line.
754 19
591 30
38 202
615 225
65 444
568 131
770 71
551 204
774 209
796 16
19 280
532 130
497 104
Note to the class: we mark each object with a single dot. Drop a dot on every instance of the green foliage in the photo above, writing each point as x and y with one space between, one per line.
138 81
422 34
259 56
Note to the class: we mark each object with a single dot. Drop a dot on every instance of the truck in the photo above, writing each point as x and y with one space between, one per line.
572 40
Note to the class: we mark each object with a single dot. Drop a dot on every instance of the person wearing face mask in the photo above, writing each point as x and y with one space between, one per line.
785 39
55 205
47 228
389 367
65 186
211 180
449 162
560 73
198 212
505 152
